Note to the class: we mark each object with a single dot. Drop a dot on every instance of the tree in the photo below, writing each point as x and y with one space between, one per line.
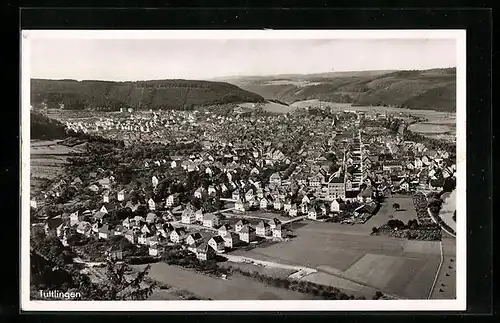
374 230
118 286
378 295
396 206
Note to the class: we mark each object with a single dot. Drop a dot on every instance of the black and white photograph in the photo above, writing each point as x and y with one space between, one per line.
243 170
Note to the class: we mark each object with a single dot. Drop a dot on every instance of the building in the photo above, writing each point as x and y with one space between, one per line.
224 230
194 238
279 231
188 216
240 224
204 252
231 240
240 205
178 235
217 243
263 229
210 220
247 234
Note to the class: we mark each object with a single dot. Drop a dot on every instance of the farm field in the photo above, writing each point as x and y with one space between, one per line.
274 107
396 266
47 158
347 286
235 287
269 271
433 127
387 212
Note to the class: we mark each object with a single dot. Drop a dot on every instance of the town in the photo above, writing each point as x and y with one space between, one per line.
223 183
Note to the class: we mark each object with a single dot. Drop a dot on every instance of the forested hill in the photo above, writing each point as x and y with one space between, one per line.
158 94
42 127
433 89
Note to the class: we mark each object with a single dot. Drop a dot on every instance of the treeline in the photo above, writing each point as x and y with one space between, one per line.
111 96
42 127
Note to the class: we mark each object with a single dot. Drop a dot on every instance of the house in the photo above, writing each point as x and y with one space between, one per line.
114 253
127 223
211 190
131 236
199 216
231 240
77 181
84 228
146 229
178 235
188 216
304 208
306 199
154 181
143 238
173 164
199 193
204 252
313 214
105 196
274 222
217 243
121 195
118 231
224 230
240 205
263 229
155 250
138 221
62 230
100 216
151 218
275 178
260 193
240 224
247 233
103 232
264 203
153 240
366 195
278 204
210 220
172 199
194 238
105 183
33 203
287 205
151 204
279 231
103 209
74 219
235 195
293 210
249 195
193 246
336 205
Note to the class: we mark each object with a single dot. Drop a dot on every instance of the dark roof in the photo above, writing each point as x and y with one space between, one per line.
218 239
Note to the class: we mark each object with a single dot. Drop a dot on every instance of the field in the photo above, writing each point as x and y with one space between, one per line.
46 160
395 266
236 287
268 271
349 287
386 212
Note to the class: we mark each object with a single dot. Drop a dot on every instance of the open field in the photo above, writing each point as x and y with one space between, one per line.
264 270
396 266
387 212
433 127
47 158
236 287
349 287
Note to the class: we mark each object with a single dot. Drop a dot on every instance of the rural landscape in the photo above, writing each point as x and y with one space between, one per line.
324 186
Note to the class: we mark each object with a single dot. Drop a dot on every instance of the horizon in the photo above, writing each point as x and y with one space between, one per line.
228 77
129 60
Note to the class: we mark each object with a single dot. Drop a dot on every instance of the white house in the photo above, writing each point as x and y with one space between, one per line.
217 243
263 229
210 220
247 234
188 216
152 204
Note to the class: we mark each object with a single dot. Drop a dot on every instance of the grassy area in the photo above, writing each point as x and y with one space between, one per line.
268 271
345 285
387 212
236 287
396 266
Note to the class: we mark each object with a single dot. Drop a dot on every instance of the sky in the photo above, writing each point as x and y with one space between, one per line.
150 59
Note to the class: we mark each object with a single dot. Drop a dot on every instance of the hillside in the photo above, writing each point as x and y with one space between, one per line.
159 94
427 90
41 127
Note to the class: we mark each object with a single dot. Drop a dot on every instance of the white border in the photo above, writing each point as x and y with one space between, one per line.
351 305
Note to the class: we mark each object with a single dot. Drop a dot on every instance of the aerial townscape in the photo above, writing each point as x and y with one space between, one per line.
229 190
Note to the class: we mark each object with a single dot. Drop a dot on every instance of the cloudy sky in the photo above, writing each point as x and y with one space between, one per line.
148 59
